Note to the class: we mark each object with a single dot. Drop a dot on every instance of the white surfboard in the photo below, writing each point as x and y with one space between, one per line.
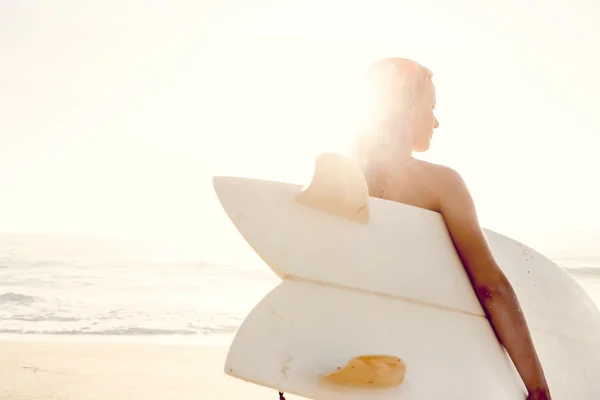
367 277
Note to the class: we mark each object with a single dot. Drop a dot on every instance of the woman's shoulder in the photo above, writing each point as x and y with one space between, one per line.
442 174
445 184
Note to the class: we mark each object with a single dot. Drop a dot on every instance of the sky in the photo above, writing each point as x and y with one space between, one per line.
115 115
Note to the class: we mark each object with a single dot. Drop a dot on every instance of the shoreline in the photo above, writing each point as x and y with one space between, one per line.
98 369
218 340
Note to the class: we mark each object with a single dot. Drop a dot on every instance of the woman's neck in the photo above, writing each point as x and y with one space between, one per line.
403 147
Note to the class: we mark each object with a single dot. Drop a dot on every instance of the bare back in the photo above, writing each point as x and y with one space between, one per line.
415 183
441 189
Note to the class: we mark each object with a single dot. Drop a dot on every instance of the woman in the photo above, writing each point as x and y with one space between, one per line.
401 121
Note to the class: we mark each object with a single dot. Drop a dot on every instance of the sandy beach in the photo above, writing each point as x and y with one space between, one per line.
86 370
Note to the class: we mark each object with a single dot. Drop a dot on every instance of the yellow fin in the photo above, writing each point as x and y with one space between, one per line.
371 371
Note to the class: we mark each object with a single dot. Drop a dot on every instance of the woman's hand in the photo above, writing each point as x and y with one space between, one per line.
541 394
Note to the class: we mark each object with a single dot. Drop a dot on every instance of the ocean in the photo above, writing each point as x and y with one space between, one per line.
74 286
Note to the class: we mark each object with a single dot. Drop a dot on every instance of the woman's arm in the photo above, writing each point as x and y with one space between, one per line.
491 286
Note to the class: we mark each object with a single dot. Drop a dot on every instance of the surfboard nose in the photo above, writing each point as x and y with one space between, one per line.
260 206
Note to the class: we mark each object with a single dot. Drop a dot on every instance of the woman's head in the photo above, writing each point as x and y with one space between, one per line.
400 119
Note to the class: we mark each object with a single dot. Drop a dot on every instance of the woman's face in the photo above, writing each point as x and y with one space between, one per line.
424 121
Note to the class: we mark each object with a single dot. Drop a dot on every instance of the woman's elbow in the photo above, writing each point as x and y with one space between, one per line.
494 291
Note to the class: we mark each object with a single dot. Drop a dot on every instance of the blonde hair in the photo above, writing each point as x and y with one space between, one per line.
393 86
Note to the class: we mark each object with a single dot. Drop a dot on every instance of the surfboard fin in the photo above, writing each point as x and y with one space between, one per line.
369 371
338 186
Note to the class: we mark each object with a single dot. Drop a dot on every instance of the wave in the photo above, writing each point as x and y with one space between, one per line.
590 272
40 318
133 331
10 297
